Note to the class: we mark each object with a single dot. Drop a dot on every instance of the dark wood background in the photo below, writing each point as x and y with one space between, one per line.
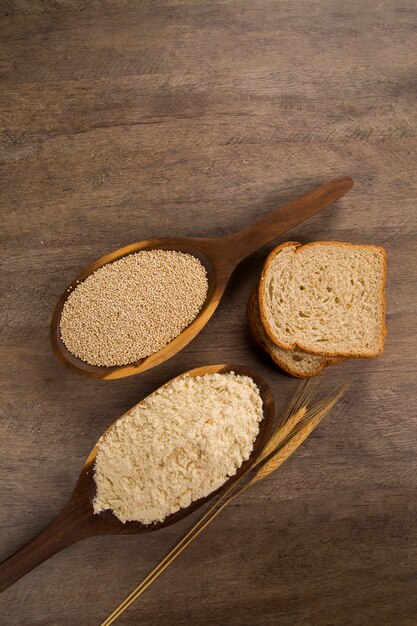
123 120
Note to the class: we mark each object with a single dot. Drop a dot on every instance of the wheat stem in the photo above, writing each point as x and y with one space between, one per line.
294 427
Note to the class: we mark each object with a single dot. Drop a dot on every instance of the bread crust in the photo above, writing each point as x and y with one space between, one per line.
254 320
300 346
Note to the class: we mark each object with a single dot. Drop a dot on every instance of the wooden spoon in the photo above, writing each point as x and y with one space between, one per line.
77 519
219 256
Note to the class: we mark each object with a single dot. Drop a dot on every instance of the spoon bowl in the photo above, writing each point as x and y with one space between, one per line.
219 256
185 245
78 521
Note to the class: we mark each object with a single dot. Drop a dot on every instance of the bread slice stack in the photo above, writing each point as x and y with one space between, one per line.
320 303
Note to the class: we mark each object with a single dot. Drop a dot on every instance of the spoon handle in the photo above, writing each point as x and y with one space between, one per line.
71 525
245 241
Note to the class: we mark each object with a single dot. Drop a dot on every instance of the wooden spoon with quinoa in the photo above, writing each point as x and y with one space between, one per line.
138 306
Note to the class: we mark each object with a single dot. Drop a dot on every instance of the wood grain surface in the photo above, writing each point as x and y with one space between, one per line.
122 121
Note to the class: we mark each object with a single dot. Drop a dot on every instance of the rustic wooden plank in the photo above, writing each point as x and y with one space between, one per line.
121 121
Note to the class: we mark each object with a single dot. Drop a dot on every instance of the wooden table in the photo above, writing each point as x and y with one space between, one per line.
124 120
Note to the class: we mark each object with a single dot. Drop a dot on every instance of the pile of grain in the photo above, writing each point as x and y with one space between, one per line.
178 445
130 309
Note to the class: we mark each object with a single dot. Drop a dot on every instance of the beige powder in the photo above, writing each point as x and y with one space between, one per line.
130 309
178 445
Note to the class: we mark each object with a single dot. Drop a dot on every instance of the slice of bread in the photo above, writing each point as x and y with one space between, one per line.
295 362
327 298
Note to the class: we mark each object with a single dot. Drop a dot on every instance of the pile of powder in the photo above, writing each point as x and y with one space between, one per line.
178 445
133 307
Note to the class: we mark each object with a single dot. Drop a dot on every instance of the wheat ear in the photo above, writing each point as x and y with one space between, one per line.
295 425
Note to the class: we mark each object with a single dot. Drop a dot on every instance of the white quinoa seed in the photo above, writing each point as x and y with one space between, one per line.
130 309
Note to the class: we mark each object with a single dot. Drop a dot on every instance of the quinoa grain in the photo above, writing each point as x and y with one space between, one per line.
130 309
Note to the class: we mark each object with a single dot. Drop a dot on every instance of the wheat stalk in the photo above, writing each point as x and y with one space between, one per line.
303 427
292 415
295 425
280 434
